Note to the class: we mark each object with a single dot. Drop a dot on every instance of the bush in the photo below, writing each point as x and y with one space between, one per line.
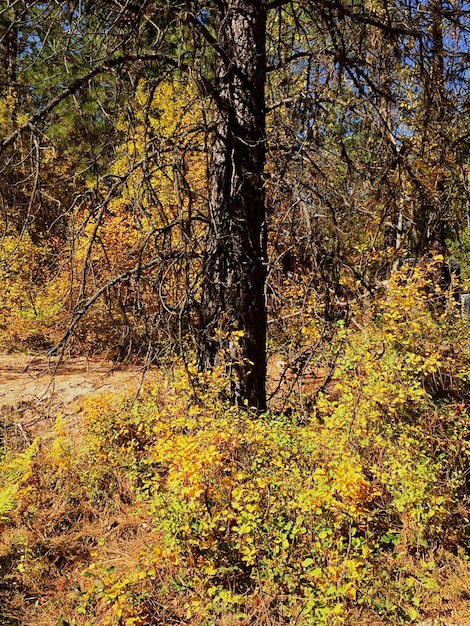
215 515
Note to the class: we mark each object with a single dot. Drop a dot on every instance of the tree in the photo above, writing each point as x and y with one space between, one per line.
343 134
233 310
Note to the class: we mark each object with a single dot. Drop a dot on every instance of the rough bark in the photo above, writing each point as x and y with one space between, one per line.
234 266
8 51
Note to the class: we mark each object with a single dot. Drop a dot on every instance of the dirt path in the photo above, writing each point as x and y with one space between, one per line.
33 389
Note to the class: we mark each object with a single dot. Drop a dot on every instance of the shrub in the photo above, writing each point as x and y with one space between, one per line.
222 516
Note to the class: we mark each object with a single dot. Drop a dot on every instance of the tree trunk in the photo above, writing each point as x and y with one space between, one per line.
233 310
431 213
8 60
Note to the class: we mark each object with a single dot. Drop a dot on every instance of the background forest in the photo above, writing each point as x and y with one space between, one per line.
224 193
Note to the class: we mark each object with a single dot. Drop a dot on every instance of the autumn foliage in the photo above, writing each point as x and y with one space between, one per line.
178 183
180 508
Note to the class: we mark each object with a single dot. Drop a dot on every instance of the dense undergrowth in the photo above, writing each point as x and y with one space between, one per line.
178 508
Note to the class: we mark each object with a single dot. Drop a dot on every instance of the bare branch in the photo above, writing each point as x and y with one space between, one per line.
77 84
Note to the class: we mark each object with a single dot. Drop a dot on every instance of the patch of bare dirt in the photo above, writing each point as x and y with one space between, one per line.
34 389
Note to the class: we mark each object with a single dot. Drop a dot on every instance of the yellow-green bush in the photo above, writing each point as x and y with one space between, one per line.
283 519
304 516
14 472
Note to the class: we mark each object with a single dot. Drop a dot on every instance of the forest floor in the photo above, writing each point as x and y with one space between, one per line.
35 389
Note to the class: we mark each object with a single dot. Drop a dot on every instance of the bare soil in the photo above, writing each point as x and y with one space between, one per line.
34 389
